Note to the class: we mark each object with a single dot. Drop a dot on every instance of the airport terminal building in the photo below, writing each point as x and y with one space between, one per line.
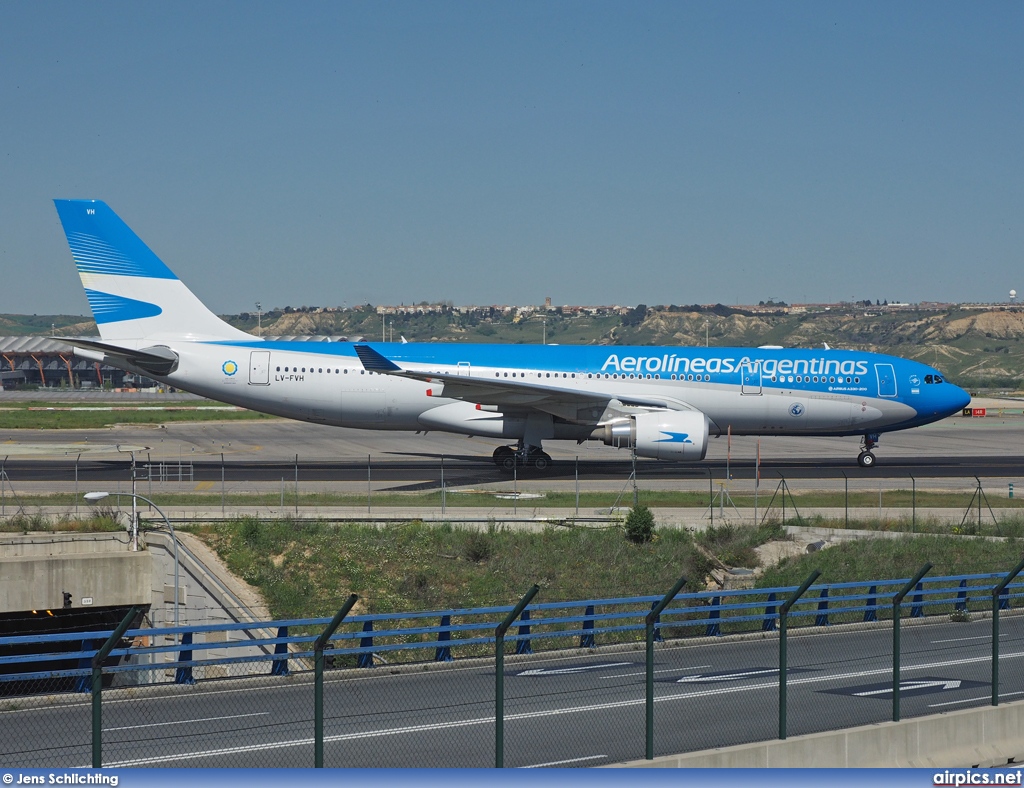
46 362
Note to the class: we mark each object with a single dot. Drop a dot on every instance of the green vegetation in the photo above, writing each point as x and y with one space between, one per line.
874 559
77 416
27 325
639 525
590 501
307 568
102 519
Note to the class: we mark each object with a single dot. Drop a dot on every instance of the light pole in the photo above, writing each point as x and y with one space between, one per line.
259 319
134 530
93 497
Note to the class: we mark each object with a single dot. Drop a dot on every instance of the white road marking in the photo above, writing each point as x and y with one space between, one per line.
961 640
972 700
659 670
727 676
185 722
564 671
910 685
562 763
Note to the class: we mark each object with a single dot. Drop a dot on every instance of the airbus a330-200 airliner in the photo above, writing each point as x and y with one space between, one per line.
661 402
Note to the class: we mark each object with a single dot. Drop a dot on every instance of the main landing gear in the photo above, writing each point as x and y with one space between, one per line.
866 459
507 457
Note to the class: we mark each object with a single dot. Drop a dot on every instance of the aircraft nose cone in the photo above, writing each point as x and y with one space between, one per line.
959 399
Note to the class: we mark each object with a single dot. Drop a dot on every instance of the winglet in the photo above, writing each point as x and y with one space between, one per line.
374 361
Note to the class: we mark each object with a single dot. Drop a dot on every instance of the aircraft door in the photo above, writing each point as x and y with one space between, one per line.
886 380
259 368
751 378
463 369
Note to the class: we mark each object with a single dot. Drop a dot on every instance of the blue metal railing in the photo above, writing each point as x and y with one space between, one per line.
583 622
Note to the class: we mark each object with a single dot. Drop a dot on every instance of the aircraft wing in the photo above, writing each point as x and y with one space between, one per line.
515 393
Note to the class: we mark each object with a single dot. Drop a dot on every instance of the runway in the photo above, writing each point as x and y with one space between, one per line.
269 451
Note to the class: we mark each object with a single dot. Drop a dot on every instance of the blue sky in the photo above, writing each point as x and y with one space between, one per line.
340 153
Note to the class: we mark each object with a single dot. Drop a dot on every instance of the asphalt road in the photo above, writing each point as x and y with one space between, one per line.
582 710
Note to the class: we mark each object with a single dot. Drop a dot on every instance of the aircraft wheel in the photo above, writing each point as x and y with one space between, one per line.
501 453
542 461
866 459
508 461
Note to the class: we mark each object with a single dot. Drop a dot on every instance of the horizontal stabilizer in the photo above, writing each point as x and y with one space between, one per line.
156 360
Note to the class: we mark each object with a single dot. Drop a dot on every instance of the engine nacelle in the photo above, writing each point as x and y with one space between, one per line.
680 435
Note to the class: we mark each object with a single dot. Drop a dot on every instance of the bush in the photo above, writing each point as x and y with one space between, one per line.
640 524
478 547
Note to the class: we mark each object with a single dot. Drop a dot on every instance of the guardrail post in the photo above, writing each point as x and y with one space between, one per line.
444 653
366 658
499 676
183 674
768 623
961 597
821 620
84 683
97 685
897 600
587 638
996 593
784 609
279 667
318 682
917 604
714 628
523 645
650 621
871 613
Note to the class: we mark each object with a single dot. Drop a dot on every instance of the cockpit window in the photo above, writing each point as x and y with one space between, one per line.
928 379
938 379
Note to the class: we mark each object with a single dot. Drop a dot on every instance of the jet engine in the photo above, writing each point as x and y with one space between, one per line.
680 435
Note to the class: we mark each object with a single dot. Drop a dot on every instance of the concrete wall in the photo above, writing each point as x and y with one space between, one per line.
207 595
965 738
35 570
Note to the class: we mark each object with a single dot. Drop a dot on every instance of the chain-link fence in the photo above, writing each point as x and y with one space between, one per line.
543 683
461 489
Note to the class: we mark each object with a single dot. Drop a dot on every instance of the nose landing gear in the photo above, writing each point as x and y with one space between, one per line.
866 459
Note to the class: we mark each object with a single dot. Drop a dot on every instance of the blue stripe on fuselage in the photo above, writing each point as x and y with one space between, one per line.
844 373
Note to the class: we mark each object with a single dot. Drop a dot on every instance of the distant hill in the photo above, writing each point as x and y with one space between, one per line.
975 347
